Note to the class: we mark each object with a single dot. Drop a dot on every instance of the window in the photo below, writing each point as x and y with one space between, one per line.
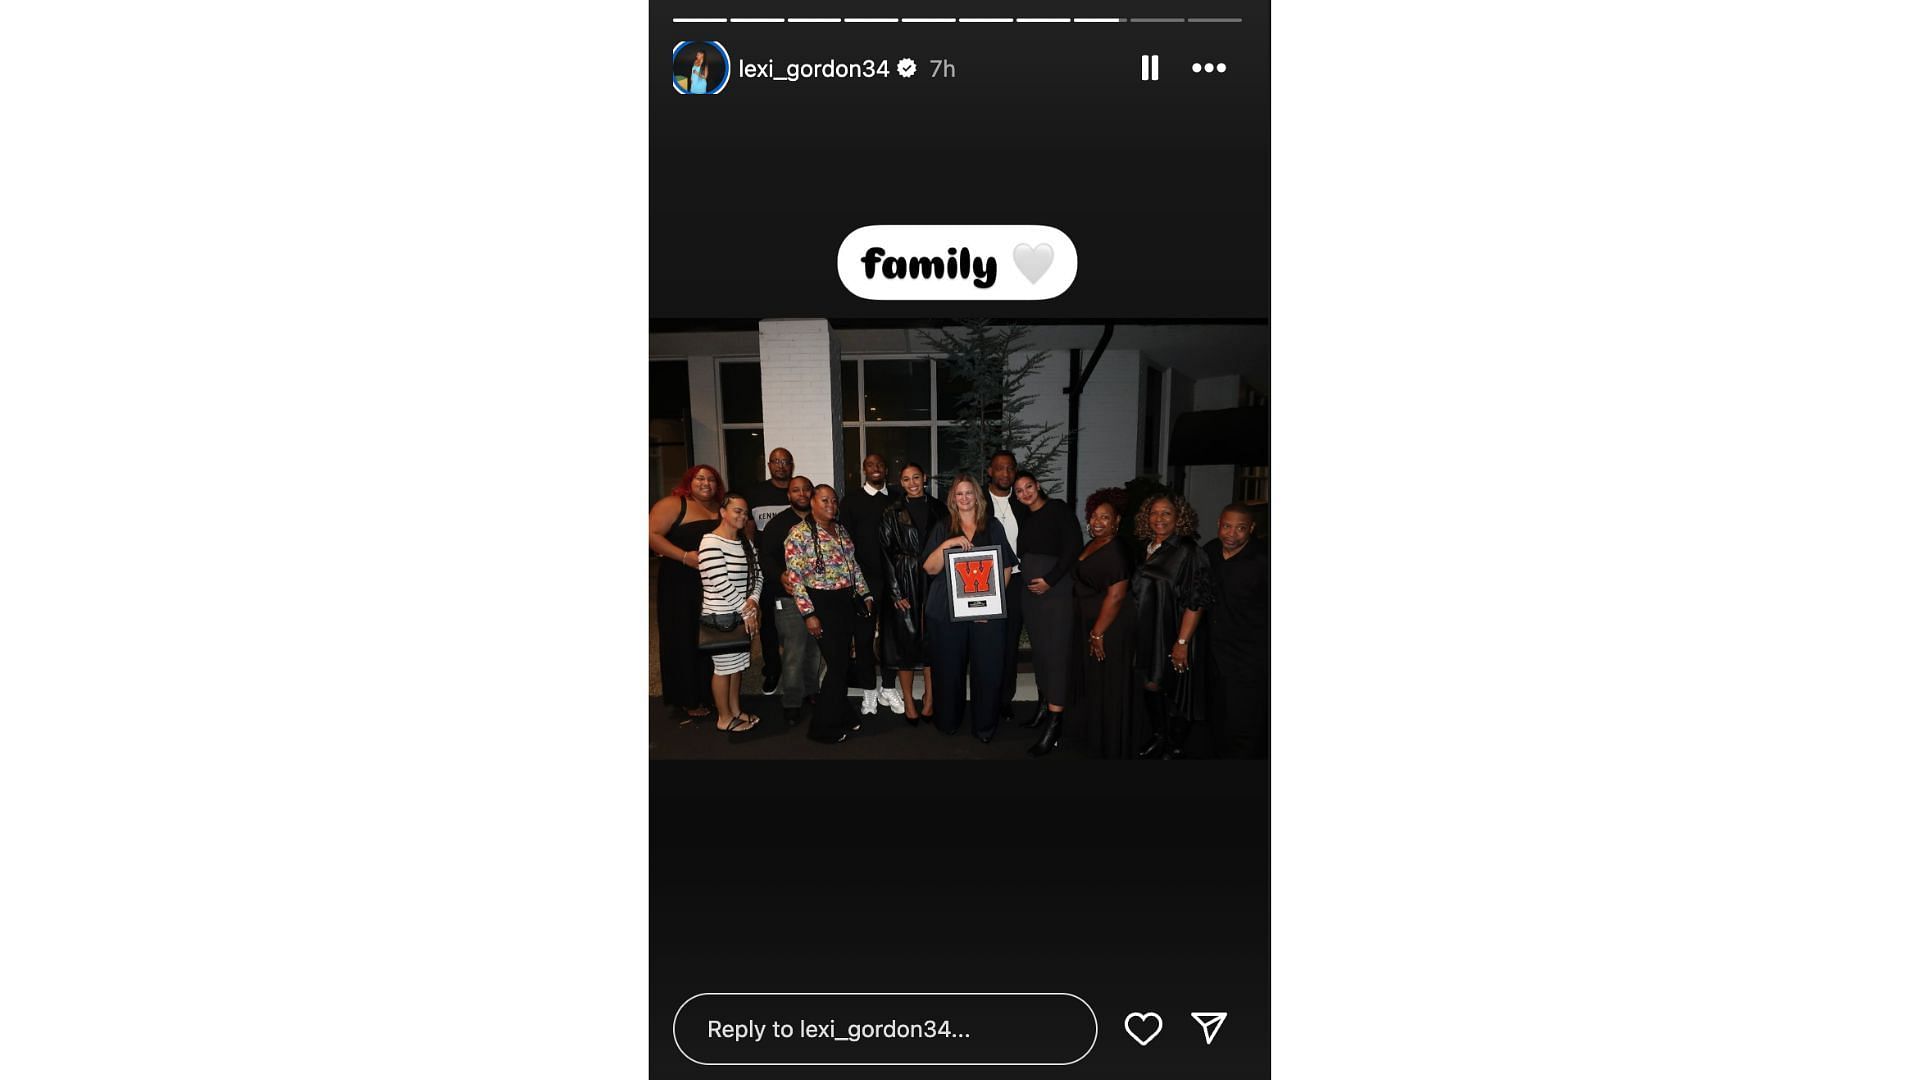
740 392
947 438
742 436
900 408
1250 484
1250 481
746 457
900 445
667 426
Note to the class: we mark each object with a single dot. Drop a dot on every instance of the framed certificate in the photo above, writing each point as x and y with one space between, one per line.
975 584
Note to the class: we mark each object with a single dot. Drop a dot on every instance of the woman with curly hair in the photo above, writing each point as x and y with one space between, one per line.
1104 715
1170 590
674 528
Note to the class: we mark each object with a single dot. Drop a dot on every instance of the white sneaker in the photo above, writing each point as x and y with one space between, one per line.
890 697
869 700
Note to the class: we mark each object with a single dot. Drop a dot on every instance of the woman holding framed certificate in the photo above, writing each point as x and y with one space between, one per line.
968 557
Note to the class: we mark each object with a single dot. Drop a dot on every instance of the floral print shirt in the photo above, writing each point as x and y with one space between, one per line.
820 557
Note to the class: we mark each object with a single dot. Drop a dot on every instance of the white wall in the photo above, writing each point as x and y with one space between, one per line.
1220 392
1049 407
800 394
1110 423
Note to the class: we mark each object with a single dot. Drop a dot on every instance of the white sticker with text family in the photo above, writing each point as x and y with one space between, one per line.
957 262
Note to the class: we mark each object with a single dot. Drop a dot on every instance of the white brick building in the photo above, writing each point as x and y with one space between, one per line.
725 395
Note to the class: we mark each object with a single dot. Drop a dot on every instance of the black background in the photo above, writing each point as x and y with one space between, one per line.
1137 885
1161 185
1140 886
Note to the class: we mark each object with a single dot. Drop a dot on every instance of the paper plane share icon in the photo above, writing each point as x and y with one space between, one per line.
1209 1023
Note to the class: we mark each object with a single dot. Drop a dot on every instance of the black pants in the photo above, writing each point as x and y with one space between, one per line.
1010 661
770 641
865 664
968 657
1237 705
837 627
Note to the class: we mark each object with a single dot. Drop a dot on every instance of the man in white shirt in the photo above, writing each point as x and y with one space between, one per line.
861 512
1001 468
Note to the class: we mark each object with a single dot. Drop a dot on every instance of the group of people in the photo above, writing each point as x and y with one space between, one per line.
1130 651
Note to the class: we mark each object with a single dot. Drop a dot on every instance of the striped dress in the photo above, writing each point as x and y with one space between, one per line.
728 577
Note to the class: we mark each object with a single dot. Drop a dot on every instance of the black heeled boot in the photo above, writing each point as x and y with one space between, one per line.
1157 717
1177 742
1049 738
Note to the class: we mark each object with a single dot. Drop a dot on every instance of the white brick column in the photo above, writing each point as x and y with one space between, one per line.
703 407
800 394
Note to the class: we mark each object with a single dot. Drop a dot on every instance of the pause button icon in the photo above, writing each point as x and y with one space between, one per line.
1149 67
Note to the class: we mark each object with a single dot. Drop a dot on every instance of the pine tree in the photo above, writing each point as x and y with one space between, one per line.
980 361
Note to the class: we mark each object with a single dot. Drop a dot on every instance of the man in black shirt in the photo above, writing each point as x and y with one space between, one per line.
766 500
1234 648
800 661
860 511
769 497
1001 469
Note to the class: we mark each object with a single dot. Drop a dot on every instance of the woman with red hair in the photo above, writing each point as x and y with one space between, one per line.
674 528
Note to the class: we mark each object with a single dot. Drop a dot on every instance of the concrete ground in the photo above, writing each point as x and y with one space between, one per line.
881 737
884 736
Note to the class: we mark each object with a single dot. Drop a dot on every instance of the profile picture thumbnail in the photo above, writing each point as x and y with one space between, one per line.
701 67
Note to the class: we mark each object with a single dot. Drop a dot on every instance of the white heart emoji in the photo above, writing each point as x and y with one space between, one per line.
1033 261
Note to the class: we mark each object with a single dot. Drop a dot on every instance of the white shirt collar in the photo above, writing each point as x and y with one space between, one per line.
871 490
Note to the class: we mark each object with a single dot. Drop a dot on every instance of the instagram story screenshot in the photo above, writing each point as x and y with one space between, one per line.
959 540
1122 539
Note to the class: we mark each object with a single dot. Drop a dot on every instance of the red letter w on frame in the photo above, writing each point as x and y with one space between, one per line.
976 575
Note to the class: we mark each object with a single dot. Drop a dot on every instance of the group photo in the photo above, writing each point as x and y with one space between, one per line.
979 540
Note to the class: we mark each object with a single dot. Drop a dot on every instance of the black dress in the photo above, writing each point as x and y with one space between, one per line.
1105 717
1237 683
903 531
686 673
1049 543
1175 579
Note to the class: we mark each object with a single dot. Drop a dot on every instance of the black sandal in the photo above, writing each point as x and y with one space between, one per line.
735 727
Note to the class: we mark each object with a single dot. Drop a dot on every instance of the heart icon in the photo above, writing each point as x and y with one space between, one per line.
1033 261
1143 1018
